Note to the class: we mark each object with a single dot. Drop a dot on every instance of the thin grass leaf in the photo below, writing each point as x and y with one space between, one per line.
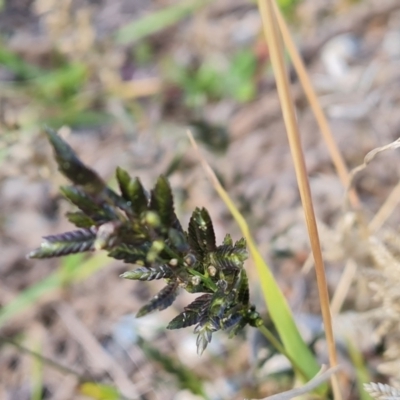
61 83
23 70
66 243
77 118
161 301
37 375
73 168
362 374
97 391
279 309
303 391
157 21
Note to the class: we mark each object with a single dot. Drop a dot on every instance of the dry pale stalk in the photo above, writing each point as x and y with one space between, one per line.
276 53
343 287
100 358
386 210
305 81
322 376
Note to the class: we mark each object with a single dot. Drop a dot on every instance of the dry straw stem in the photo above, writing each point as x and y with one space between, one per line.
305 81
375 224
370 156
386 210
268 16
343 286
392 200
322 376
99 357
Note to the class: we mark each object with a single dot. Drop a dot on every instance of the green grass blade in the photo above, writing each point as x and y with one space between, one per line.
157 21
22 69
99 391
362 375
37 376
73 270
278 307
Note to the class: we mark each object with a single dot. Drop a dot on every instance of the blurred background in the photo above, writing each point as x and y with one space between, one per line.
123 80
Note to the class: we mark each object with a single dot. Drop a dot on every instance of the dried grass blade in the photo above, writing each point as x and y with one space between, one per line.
343 287
370 156
386 210
362 374
156 21
268 16
322 376
392 200
323 124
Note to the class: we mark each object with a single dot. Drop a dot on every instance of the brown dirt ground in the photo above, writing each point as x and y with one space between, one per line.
361 97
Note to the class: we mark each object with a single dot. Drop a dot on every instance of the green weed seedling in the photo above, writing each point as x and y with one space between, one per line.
142 228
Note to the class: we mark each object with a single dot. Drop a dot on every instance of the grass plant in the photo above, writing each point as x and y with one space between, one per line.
142 228
293 345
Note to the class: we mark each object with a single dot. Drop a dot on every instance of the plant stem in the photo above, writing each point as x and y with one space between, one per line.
289 115
322 121
172 253
278 346
45 360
